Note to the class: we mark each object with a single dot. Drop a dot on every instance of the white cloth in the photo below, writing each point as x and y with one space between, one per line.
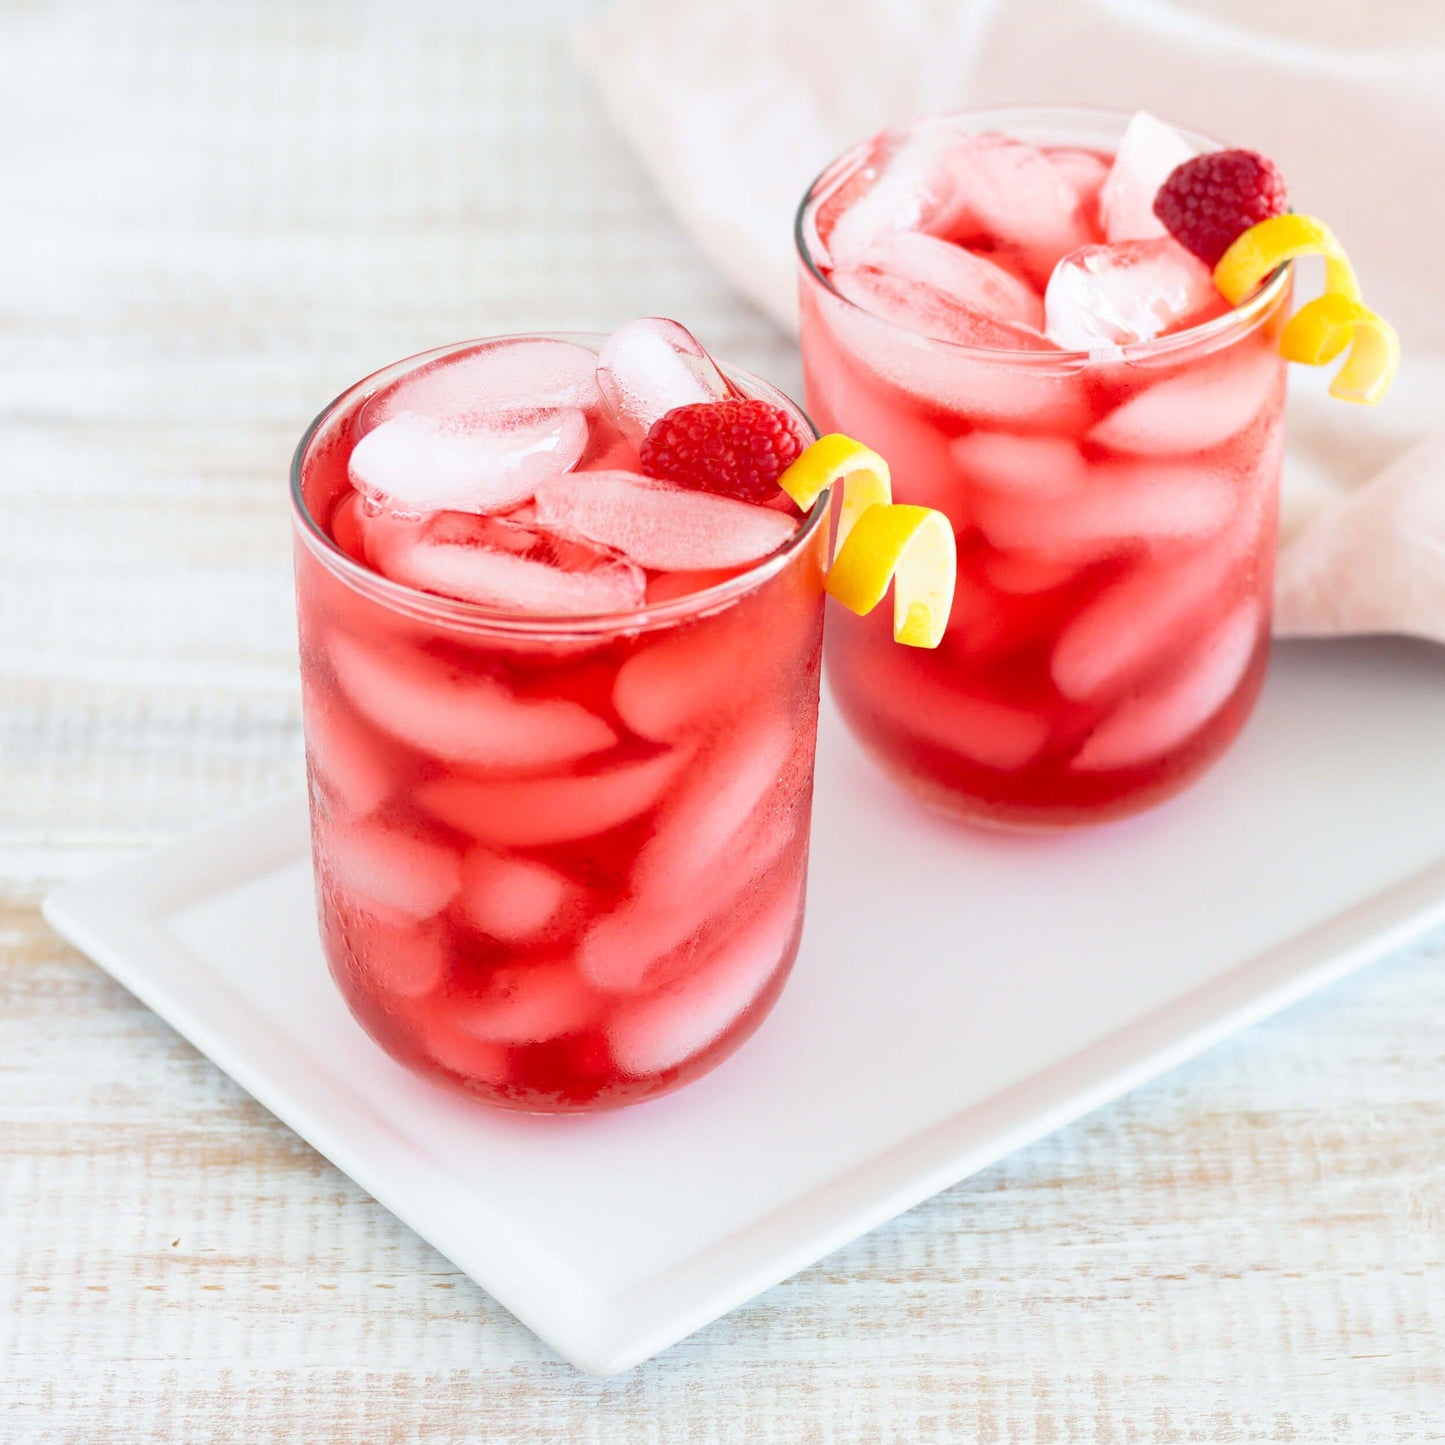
735 105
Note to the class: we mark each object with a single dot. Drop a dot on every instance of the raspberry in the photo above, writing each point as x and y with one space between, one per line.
1211 200
734 448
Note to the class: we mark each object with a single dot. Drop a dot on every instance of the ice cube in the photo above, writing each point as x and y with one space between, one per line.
643 940
504 564
692 681
921 307
345 757
528 1004
973 282
1083 173
651 365
463 717
904 183
1117 504
1199 406
481 1061
1132 291
1143 728
656 941
729 827
1133 624
929 703
661 526
998 735
1040 467
1009 197
415 464
514 374
1032 389
534 812
407 959
710 811
1023 576
667 1028
1147 152
512 899
385 866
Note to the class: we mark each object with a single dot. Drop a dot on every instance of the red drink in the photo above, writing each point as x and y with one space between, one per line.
560 745
1104 434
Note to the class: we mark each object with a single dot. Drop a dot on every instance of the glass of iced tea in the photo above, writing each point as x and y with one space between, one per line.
560 714
989 301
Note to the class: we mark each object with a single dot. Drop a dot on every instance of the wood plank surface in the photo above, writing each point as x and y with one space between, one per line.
215 216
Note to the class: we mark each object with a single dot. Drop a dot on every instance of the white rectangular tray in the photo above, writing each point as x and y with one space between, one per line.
958 994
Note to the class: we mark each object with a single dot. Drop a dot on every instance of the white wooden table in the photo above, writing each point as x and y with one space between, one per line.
215 216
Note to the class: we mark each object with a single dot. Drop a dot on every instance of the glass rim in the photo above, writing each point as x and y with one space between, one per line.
474 616
1239 317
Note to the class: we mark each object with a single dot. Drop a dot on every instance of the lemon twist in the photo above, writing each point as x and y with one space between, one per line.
1322 328
878 541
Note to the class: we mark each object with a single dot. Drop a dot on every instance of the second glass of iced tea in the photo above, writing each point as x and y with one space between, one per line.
1114 499
560 745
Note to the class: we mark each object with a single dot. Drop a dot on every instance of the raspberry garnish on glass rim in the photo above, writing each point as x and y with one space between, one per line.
1210 200
735 448
1231 209
748 450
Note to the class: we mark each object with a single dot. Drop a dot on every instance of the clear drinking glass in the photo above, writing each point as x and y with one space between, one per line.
560 862
1115 516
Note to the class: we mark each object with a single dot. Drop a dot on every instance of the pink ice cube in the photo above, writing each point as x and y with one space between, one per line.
1039 467
1009 196
730 826
1136 623
644 939
345 756
926 704
478 463
462 717
404 958
1117 506
661 526
919 306
1129 292
475 1059
512 899
649 943
690 682
1148 152
665 1029
904 183
513 374
387 867
883 331
972 281
504 564
528 1004
710 810
1022 575
534 812
651 365
1083 172
1168 714
1197 408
